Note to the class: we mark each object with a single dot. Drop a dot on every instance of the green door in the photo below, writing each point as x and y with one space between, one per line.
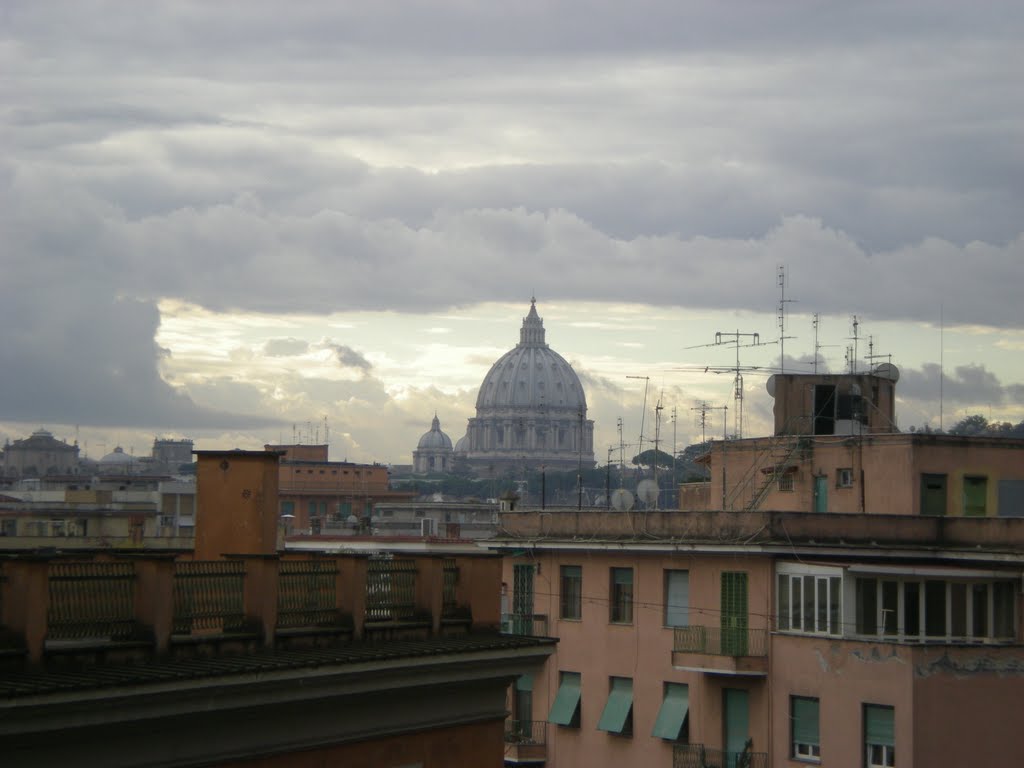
821 493
933 494
522 600
736 720
734 613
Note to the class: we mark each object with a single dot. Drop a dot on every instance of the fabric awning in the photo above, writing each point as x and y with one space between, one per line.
672 715
619 705
567 700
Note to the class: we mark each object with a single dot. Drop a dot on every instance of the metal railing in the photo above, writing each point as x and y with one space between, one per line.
208 596
91 601
532 732
451 578
528 624
390 589
699 756
721 641
307 594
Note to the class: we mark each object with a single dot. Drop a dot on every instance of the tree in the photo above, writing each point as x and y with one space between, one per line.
647 459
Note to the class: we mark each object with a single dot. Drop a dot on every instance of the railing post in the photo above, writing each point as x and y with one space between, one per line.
29 580
154 598
261 584
430 590
351 591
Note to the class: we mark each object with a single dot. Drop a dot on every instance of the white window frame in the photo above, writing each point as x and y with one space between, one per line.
844 477
822 576
888 756
809 752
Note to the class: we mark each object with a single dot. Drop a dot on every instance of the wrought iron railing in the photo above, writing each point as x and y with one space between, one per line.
533 732
721 641
91 601
529 624
209 595
451 578
307 594
390 589
699 756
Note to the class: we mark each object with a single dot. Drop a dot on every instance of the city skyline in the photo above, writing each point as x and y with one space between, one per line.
223 220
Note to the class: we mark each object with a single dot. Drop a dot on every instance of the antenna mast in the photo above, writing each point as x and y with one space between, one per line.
643 413
783 301
734 339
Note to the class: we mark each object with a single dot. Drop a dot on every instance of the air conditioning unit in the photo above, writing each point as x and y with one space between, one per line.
428 527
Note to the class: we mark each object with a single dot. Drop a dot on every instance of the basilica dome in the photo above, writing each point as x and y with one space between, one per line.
434 451
435 438
531 375
531 410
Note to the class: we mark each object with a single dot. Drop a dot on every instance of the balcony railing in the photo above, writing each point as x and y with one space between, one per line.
91 601
390 590
721 641
699 756
525 731
306 594
208 596
529 624
450 579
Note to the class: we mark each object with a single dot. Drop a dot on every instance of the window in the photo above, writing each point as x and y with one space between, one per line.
804 723
621 602
672 723
844 477
810 602
522 704
617 716
565 710
975 494
879 737
677 598
786 481
936 609
571 597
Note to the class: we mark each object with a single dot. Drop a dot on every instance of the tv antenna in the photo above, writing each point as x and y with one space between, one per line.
783 301
703 409
851 349
871 356
647 382
735 339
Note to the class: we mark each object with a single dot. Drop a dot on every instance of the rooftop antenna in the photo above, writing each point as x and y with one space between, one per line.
657 436
871 357
735 339
783 301
851 351
622 455
942 361
643 413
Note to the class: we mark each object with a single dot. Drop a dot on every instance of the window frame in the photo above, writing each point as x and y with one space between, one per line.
799 608
683 609
887 751
804 751
786 482
619 688
570 601
844 477
620 598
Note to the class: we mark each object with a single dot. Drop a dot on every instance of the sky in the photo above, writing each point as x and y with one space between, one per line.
253 222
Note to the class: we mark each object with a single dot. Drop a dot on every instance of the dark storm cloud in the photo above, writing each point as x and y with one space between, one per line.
661 152
965 384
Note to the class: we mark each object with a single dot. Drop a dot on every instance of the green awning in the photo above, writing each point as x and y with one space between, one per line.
673 711
567 700
878 725
805 721
619 705
524 683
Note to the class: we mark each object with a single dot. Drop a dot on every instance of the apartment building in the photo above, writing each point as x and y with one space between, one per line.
878 626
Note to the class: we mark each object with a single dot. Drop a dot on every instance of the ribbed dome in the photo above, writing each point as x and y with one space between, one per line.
532 375
462 444
435 438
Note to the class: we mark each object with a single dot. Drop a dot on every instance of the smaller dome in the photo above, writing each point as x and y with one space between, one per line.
117 456
462 445
435 438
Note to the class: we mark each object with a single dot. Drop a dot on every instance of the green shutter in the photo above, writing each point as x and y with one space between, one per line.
616 710
524 683
878 725
623 576
805 721
672 714
566 700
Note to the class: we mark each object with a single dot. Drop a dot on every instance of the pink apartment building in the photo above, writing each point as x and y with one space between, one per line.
838 594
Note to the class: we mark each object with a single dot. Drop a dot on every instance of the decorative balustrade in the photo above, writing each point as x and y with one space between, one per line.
526 732
699 756
529 624
209 596
390 589
721 641
450 579
90 600
307 594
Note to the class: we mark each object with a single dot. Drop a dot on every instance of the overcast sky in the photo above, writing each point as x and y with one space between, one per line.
231 220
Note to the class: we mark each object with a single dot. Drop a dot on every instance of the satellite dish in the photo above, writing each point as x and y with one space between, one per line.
622 500
648 491
888 371
770 385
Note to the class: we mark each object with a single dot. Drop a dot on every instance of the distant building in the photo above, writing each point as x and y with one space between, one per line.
39 455
172 453
434 451
531 411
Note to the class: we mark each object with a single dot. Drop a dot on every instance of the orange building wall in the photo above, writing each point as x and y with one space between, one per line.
236 499
642 651
478 745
